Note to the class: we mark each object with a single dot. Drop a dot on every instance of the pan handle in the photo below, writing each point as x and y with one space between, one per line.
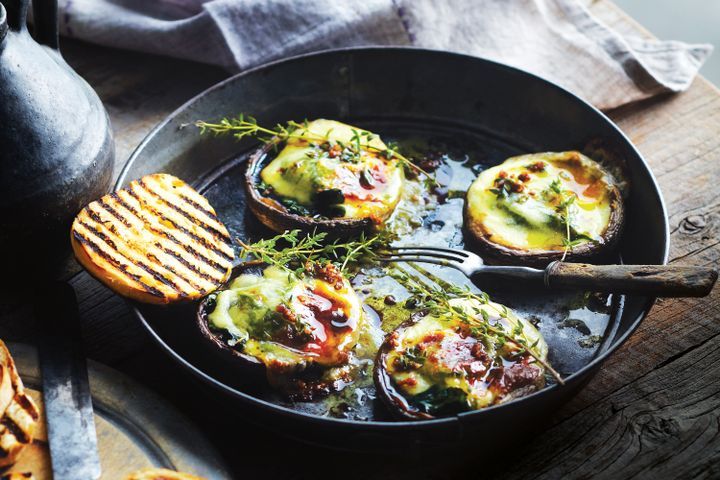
650 280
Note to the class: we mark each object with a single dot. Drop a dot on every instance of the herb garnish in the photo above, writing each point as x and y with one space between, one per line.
294 247
566 199
411 359
247 126
437 301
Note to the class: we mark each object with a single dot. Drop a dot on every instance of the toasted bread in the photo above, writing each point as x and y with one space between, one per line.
7 392
18 476
19 419
155 241
161 474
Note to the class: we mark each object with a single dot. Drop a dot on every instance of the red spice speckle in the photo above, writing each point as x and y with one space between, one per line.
288 314
433 337
537 167
408 382
335 151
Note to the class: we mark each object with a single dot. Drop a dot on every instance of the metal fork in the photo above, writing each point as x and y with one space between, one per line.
650 280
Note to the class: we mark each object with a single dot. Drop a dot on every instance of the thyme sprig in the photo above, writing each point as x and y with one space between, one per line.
246 126
295 247
437 301
566 200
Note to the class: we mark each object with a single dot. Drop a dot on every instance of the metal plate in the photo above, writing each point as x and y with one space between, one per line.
498 109
135 427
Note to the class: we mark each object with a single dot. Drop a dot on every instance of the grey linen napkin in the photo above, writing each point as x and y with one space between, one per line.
556 39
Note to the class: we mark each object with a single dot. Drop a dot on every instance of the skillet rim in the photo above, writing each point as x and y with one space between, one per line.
575 378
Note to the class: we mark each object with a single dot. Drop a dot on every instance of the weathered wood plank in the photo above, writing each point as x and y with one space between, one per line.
663 425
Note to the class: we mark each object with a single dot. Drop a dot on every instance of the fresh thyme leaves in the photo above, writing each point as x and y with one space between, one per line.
556 186
438 302
411 359
564 211
247 126
294 247
264 187
565 200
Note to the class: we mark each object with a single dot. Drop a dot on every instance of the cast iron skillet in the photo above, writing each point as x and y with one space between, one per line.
391 86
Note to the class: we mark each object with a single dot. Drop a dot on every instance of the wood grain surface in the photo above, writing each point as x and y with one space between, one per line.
653 411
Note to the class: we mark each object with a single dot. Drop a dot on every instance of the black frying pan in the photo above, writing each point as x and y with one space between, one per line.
497 110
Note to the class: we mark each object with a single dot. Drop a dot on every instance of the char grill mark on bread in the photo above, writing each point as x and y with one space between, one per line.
208 222
179 247
156 241
19 419
180 222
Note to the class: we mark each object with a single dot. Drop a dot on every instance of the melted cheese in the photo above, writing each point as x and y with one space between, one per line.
450 359
259 310
531 219
372 185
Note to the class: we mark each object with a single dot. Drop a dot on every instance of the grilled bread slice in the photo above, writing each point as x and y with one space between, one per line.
161 474
155 241
7 392
19 419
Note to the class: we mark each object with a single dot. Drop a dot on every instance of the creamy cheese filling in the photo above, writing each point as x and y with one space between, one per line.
322 169
542 201
287 321
439 361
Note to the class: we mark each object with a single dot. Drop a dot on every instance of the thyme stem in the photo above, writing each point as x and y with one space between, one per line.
292 246
246 126
437 301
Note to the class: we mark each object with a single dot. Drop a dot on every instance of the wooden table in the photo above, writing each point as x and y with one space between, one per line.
652 411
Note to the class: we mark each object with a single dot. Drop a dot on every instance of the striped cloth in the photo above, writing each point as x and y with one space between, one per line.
556 39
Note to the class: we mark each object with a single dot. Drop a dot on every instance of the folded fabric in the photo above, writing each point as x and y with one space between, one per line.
556 39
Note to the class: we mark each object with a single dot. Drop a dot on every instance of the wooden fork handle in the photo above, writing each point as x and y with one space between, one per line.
650 280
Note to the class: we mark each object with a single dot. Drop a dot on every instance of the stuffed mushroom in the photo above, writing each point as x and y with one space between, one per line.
300 326
442 364
537 208
327 176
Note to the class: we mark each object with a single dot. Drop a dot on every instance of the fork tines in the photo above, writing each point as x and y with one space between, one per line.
442 256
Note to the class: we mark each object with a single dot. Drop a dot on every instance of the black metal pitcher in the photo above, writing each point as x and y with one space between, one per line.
56 144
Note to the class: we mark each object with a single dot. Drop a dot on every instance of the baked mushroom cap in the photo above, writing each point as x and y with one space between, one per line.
435 365
272 319
328 176
532 208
